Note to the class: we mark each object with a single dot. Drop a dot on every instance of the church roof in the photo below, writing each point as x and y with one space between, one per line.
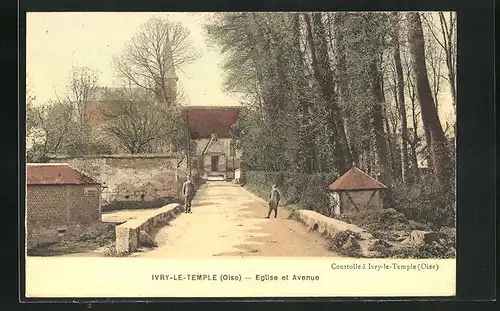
356 179
204 121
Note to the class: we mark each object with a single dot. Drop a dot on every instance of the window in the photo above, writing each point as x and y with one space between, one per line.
214 137
89 191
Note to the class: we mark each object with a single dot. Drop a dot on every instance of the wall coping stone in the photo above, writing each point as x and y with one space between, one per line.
117 156
127 234
330 227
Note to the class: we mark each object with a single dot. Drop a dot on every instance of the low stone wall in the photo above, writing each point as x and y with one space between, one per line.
330 228
127 234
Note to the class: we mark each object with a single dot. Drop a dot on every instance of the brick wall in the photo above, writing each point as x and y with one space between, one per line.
55 212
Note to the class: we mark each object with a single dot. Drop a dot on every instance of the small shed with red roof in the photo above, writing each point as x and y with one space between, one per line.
355 191
60 201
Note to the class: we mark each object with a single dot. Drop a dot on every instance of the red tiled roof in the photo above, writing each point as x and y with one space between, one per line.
356 179
203 121
55 174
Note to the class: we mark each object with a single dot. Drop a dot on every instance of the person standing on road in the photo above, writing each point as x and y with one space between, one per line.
188 193
274 200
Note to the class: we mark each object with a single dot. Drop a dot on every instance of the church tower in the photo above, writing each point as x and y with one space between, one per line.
171 79
171 84
166 87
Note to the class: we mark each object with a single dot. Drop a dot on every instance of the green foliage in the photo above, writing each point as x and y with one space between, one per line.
375 220
425 200
387 224
49 125
55 128
307 191
443 249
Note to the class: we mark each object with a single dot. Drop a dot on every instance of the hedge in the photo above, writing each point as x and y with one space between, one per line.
307 191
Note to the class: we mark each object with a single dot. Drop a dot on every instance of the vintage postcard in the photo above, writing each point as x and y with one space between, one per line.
282 154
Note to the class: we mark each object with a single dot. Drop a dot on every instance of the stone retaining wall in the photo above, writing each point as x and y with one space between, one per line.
330 227
127 234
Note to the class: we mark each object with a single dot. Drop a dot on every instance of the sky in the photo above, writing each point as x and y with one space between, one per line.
57 41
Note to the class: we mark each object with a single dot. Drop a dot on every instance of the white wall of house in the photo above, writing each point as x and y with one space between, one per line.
220 148
222 145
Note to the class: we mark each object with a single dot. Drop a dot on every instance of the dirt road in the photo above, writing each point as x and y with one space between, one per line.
227 220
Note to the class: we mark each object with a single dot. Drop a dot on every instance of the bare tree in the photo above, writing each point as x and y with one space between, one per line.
413 138
445 36
150 58
134 118
400 95
83 82
436 140
49 125
435 59
30 122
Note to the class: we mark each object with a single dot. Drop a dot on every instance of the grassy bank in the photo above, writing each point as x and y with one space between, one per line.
84 243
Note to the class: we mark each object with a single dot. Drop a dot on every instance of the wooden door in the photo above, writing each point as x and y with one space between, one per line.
215 163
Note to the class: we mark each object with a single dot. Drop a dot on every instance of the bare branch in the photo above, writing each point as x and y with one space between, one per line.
153 54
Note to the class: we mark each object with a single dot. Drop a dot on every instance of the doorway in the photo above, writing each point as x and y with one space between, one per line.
215 164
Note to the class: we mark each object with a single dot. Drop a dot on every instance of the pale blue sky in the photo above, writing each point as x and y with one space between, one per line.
56 41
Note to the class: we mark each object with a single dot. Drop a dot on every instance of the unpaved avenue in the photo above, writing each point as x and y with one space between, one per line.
227 220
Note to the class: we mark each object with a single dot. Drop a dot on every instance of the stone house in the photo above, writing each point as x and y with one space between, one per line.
213 150
60 202
355 191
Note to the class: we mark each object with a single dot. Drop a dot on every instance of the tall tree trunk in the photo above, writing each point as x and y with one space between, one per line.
378 119
325 78
389 141
413 143
436 140
385 115
414 118
339 22
306 155
401 102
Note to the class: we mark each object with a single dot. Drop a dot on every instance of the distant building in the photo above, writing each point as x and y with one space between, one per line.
355 191
60 202
165 93
214 151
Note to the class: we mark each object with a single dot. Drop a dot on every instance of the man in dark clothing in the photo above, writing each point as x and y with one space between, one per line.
274 200
188 193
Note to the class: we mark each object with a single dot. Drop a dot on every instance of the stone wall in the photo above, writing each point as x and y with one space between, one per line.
55 212
127 234
330 228
132 178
